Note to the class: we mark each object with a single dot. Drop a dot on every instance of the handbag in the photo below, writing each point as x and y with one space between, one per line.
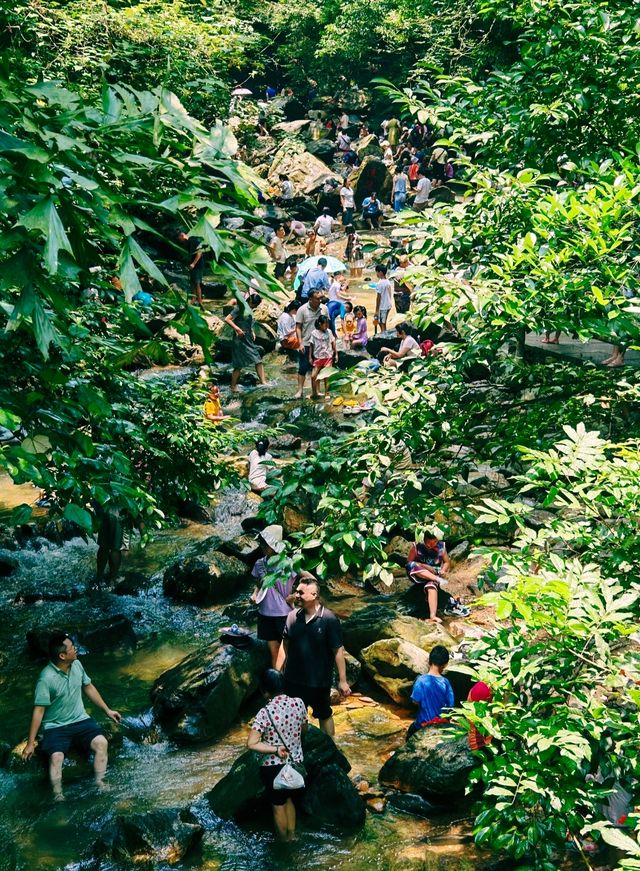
292 774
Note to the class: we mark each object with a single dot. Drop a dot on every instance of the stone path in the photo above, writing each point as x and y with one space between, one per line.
573 349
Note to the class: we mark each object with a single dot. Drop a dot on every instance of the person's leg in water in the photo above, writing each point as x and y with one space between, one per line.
290 808
280 821
100 745
314 382
55 775
260 373
328 726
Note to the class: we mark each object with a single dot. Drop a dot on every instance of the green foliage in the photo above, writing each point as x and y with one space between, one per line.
90 191
190 49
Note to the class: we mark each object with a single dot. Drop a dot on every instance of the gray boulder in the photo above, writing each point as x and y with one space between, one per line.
431 764
323 149
146 840
367 146
376 622
371 175
198 699
394 665
98 636
203 575
333 802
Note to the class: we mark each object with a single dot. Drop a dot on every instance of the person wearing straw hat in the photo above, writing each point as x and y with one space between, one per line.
274 601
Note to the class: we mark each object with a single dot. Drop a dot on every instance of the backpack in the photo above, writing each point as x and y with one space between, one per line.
426 347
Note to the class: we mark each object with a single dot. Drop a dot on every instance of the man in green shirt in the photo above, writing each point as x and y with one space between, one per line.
59 710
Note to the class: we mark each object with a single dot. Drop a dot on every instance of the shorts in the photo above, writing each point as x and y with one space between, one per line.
270 628
316 698
383 315
78 736
280 270
304 364
414 567
196 275
278 797
322 362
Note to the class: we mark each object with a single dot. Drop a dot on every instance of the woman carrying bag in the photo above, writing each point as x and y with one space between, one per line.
276 733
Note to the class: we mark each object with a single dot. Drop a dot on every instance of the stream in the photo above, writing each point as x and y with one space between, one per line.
149 772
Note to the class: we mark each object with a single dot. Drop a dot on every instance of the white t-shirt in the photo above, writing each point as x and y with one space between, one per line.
287 190
324 225
423 190
286 325
258 474
409 347
383 289
322 344
347 197
334 287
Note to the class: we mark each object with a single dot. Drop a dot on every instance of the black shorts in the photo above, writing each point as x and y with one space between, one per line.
280 270
78 736
270 628
276 796
196 274
304 364
316 698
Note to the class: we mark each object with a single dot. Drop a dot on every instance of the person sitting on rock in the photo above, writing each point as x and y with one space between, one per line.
212 408
259 464
360 337
427 565
59 710
432 693
276 734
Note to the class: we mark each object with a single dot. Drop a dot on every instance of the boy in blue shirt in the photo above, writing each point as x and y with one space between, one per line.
432 692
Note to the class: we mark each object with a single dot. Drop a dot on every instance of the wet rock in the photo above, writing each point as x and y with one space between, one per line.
349 359
146 839
108 634
431 763
409 803
30 597
203 575
353 669
375 721
398 549
8 565
333 801
240 792
198 699
442 194
394 665
285 443
290 107
132 584
367 146
377 622
460 552
371 175
323 149
243 547
191 510
296 517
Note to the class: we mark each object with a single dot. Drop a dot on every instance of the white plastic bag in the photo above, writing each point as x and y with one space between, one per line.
288 778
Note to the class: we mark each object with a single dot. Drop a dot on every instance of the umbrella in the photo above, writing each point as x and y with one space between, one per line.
241 92
333 264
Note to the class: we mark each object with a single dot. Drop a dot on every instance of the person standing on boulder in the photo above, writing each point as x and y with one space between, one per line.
312 642
347 200
274 600
59 710
432 692
276 733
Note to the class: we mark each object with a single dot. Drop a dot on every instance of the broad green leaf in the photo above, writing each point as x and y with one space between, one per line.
78 515
143 259
44 218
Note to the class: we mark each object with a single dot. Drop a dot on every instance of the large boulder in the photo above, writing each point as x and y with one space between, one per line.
394 665
147 839
367 146
386 339
203 575
432 764
371 175
377 622
98 636
307 173
333 802
290 107
292 128
240 792
323 149
198 699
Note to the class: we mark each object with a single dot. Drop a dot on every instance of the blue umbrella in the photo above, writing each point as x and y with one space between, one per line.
333 265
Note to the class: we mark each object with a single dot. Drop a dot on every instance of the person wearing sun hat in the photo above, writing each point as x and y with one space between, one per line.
274 600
